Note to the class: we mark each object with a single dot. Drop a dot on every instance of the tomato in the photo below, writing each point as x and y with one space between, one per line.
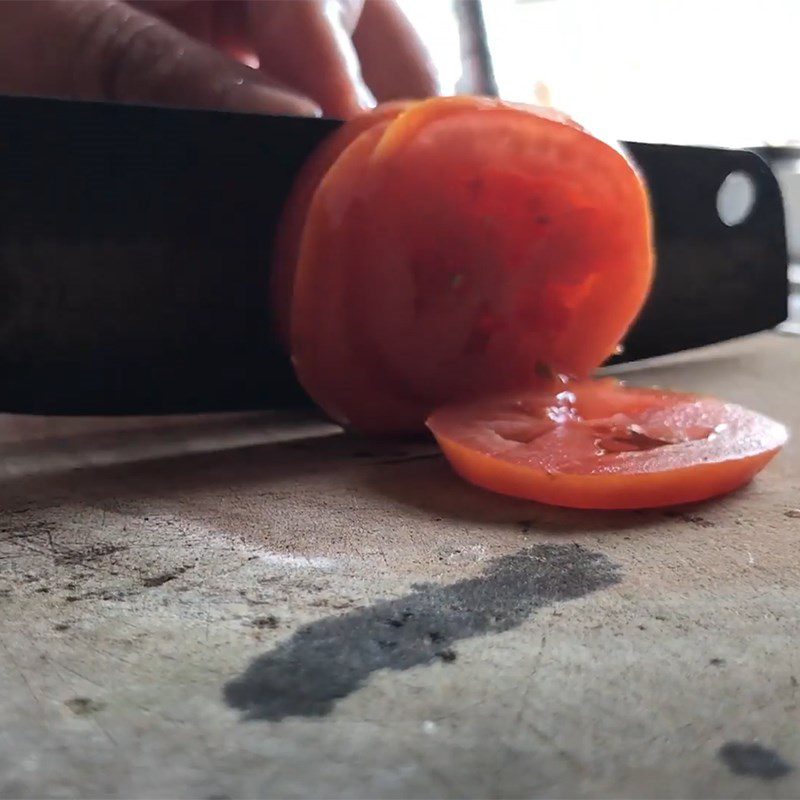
451 246
444 259
599 444
293 219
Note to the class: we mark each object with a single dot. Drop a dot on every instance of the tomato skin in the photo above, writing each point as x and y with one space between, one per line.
286 249
709 448
450 248
688 485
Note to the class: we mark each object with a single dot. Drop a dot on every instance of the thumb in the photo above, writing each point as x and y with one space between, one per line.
108 50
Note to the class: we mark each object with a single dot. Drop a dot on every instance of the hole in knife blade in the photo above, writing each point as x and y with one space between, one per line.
736 198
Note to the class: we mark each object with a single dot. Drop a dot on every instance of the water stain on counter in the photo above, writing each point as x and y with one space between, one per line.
331 658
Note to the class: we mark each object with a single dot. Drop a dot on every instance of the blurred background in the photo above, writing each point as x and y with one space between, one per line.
681 71
702 72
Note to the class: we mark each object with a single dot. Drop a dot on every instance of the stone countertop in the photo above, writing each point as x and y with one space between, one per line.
247 605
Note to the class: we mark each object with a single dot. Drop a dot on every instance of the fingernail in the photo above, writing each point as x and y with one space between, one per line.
250 96
365 97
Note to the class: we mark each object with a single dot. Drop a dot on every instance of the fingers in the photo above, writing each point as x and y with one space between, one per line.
193 19
230 31
221 23
394 61
307 44
102 49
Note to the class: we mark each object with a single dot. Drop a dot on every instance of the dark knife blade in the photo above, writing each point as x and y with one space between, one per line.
713 281
135 242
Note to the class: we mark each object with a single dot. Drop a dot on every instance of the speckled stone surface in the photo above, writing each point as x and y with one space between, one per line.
249 606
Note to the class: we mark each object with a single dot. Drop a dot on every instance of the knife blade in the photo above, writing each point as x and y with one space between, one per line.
135 246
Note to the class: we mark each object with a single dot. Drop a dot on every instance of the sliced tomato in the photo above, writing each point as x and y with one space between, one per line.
454 254
599 444
451 247
290 230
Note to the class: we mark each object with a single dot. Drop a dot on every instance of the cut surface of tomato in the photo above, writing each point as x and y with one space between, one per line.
598 444
290 230
449 247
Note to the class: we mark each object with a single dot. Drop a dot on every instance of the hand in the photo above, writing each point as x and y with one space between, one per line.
312 56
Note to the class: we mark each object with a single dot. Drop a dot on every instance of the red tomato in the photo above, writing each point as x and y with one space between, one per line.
290 229
450 248
601 445
462 248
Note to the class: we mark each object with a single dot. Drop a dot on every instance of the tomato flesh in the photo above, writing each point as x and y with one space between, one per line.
451 247
290 229
602 445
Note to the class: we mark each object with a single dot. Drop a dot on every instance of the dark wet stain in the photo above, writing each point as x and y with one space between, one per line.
89 554
82 706
270 621
165 577
333 657
717 662
691 519
749 758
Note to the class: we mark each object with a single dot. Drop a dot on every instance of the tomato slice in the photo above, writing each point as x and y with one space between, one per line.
290 229
449 248
602 445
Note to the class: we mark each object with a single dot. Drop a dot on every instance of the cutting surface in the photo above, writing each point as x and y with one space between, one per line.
257 606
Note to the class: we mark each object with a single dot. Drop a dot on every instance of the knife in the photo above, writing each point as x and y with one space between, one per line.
135 250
